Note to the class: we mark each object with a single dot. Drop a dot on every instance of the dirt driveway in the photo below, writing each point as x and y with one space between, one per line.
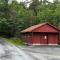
43 52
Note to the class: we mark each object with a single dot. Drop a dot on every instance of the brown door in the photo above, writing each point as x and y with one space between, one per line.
43 39
52 38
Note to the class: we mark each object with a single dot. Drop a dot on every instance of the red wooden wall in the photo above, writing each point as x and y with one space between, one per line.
52 39
45 38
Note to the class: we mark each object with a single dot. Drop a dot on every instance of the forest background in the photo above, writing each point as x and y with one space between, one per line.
15 16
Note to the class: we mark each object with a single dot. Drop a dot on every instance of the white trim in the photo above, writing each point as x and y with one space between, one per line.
36 44
44 44
52 44
39 44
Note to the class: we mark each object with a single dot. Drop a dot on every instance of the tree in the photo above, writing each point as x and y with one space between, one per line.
15 16
4 10
57 15
34 6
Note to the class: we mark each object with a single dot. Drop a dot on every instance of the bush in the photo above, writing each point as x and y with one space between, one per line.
15 41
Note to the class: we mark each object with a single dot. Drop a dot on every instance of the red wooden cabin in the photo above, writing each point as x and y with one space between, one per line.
41 34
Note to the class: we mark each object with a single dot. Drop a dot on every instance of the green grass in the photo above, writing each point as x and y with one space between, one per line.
15 41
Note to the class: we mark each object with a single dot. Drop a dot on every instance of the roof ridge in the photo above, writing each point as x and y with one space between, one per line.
31 28
34 27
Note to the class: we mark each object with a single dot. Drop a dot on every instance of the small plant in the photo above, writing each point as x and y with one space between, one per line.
15 41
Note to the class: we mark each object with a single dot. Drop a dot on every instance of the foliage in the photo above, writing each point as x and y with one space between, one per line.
15 16
15 41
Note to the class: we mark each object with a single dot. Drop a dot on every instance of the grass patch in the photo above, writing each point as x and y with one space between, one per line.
15 41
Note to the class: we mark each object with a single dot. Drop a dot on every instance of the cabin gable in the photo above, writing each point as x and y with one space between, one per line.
46 28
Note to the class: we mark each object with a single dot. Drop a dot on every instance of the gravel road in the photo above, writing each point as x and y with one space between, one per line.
43 52
11 52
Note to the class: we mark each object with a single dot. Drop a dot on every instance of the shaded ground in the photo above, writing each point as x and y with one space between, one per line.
43 52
